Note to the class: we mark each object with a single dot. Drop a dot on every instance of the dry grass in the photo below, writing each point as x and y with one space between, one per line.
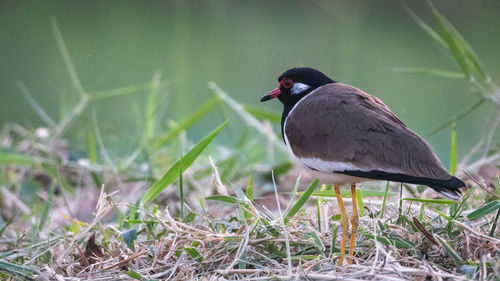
242 238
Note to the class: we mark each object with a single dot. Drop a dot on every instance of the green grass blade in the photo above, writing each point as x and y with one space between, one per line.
129 238
303 199
319 202
193 253
454 255
484 210
249 119
294 194
202 206
400 207
421 214
187 160
391 241
134 275
152 106
92 146
334 236
361 205
434 201
463 203
181 184
264 114
317 242
453 153
123 91
189 217
14 270
432 33
249 195
249 190
224 198
6 224
447 218
239 193
459 48
185 124
454 46
457 117
35 106
493 226
431 72
46 207
242 263
16 159
68 63
386 192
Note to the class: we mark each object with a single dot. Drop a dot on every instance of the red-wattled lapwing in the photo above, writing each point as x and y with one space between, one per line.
342 135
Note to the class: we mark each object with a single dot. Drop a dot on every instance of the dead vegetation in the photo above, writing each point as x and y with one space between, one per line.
102 217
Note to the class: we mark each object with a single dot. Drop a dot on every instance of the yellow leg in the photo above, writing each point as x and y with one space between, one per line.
344 222
354 224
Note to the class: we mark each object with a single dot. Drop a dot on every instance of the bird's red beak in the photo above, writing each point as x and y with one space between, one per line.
271 95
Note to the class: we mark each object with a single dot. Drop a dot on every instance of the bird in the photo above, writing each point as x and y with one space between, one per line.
340 135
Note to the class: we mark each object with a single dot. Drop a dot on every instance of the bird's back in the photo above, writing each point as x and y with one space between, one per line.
340 123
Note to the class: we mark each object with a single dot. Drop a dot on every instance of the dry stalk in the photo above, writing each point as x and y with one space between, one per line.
122 262
104 205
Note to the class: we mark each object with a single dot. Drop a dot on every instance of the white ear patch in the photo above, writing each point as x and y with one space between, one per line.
299 88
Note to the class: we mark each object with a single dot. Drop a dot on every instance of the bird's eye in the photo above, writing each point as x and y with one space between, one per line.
286 82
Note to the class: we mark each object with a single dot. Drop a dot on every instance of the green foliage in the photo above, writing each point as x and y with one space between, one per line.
183 125
134 275
450 251
190 217
16 159
361 206
224 198
17 271
432 72
263 114
494 225
181 181
453 160
193 253
186 161
302 200
392 240
129 237
484 210
46 206
471 67
386 193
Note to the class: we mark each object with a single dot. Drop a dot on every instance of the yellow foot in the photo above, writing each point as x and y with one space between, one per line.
354 224
344 222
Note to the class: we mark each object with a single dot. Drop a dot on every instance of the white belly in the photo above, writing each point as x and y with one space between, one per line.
330 178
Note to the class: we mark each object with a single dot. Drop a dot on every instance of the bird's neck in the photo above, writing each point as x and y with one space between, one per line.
288 105
292 100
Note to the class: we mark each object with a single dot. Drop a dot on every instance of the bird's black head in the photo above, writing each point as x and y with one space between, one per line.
297 82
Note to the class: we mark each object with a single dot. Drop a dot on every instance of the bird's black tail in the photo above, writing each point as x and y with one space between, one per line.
449 188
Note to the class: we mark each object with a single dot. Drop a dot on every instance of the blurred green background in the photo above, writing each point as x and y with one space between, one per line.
243 46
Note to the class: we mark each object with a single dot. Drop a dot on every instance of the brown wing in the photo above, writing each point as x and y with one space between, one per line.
341 123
